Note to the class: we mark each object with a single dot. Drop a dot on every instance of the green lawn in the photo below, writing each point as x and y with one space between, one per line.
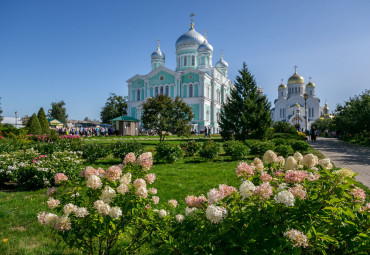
18 210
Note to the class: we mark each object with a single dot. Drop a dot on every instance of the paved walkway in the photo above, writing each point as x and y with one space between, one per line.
346 155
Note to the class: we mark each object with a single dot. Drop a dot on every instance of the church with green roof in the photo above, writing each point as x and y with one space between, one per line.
195 80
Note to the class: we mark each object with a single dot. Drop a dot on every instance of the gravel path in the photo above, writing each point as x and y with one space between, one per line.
346 155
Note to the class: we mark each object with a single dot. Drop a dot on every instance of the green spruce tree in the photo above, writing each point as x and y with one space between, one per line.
34 126
246 114
43 121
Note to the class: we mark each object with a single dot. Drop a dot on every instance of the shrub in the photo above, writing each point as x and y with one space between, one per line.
284 127
190 148
105 209
284 150
287 136
91 152
300 146
210 150
235 149
258 147
167 153
270 217
280 141
120 149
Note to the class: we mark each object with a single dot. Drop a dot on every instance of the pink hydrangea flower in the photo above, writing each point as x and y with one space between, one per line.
113 173
145 160
295 176
366 208
139 183
226 190
264 191
60 177
298 191
150 178
129 158
265 177
279 173
193 201
358 194
244 170
89 171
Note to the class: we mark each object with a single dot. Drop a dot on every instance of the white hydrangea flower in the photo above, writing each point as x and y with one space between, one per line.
189 211
142 192
155 199
63 224
53 203
122 188
81 212
101 207
282 186
173 203
126 179
51 219
69 208
108 194
162 213
180 218
290 163
326 163
309 160
115 212
297 156
269 157
246 189
280 160
285 197
215 214
94 182
297 238
213 196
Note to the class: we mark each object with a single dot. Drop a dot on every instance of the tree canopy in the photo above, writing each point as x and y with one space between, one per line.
58 111
165 115
354 116
246 113
43 121
114 107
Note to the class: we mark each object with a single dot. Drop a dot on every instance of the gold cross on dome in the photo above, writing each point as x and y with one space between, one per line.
192 20
158 43
222 53
282 80
310 78
205 34
295 68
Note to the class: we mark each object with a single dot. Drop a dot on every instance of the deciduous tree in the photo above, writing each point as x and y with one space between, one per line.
58 111
165 115
114 107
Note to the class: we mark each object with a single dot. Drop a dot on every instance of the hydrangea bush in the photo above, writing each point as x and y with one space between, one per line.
282 206
107 211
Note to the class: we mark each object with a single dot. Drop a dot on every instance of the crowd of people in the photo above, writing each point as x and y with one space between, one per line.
86 131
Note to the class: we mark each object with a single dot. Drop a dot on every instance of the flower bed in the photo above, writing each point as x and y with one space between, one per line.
288 205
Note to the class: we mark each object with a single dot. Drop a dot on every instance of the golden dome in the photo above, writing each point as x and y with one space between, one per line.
282 86
296 104
310 84
295 78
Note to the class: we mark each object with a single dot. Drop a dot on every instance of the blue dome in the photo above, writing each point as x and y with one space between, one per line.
205 47
191 37
222 63
158 55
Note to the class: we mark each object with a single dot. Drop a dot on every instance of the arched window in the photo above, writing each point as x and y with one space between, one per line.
218 116
193 60
185 61
310 92
178 62
190 90
167 91
156 91
161 90
138 95
295 89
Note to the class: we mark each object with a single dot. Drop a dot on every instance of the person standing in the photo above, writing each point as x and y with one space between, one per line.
205 132
313 134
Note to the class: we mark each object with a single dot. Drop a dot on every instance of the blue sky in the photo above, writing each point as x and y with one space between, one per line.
80 51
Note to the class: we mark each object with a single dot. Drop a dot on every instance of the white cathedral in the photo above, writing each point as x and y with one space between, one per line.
196 81
298 102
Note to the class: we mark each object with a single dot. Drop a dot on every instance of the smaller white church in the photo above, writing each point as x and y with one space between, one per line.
297 103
